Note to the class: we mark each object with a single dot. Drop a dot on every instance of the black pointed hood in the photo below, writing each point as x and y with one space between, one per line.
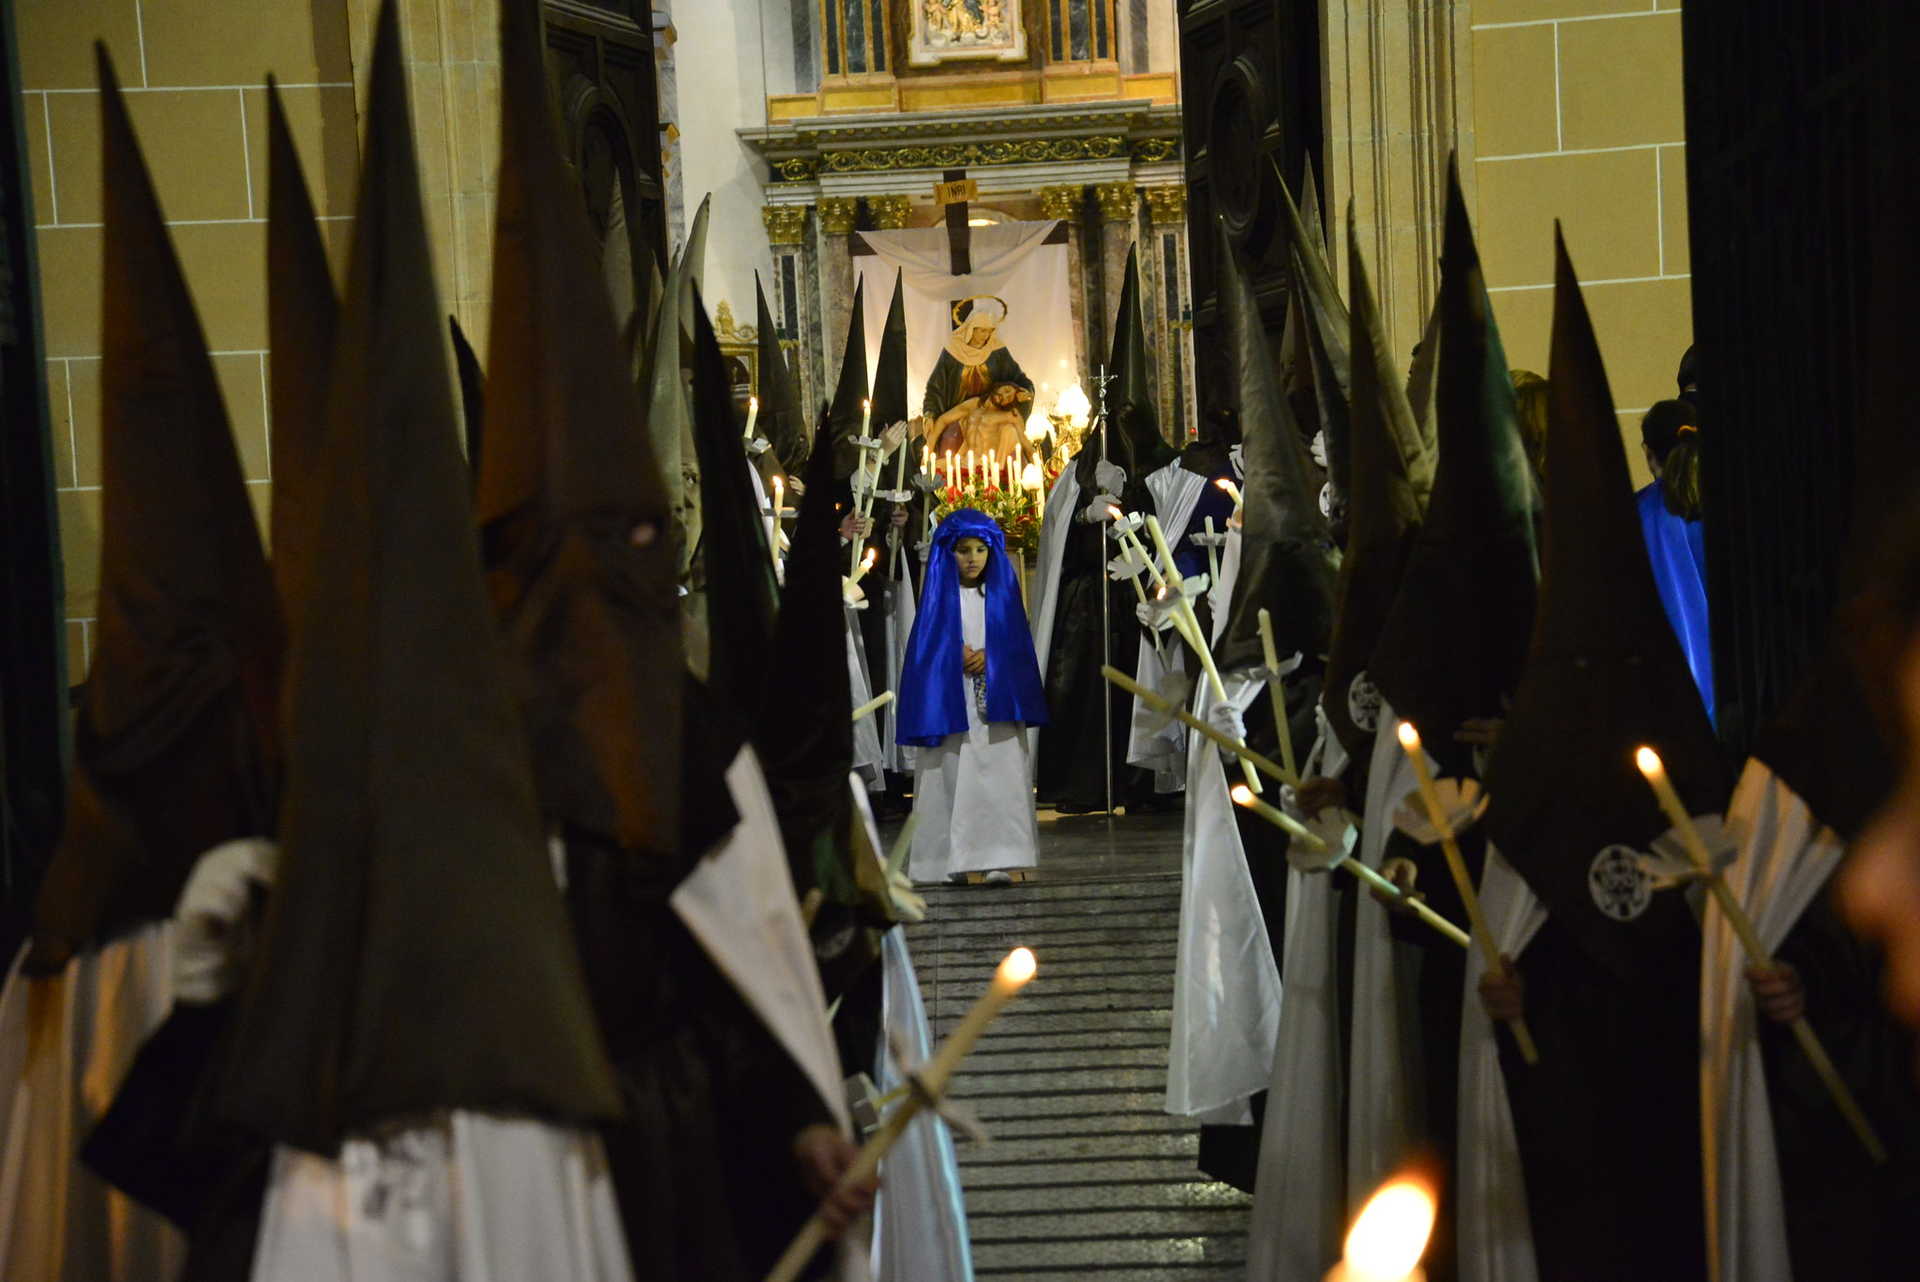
1456 639
413 858
473 393
1325 335
1138 443
1286 556
1423 385
781 421
843 414
741 595
890 404
1392 480
1604 677
175 745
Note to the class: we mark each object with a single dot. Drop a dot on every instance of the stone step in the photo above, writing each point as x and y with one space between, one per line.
1018 1083
1158 1195
1118 1222
1005 1150
994 1108
1091 1122
1092 1254
989 1059
1006 1042
1101 1171
1020 1022
1156 1273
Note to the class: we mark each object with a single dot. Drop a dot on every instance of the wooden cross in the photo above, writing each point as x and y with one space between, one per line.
959 235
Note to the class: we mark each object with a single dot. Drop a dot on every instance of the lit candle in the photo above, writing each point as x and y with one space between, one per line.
1757 954
753 414
866 563
970 465
1233 492
926 460
1470 897
947 475
1008 980
866 415
1390 1234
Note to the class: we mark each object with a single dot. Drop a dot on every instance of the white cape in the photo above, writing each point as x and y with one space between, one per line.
65 1044
919 1219
1785 858
1381 1092
1226 988
1495 1235
1155 743
1299 1201
868 759
900 616
1063 508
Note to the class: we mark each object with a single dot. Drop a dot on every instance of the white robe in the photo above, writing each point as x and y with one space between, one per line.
66 1043
1381 1092
1154 742
1299 1200
1494 1234
900 616
1785 858
868 758
919 1218
973 793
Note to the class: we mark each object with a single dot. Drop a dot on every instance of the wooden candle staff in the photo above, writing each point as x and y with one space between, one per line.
1312 841
932 1078
1430 796
1656 774
1278 692
1168 708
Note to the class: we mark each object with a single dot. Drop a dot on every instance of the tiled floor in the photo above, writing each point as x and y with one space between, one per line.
1086 1176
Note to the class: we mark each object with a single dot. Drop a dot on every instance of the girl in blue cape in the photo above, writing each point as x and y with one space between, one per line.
968 689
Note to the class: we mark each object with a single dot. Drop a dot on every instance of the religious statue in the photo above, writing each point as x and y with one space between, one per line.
975 362
994 422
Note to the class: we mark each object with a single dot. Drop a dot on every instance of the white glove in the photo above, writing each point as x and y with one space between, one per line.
208 940
1155 616
1100 510
1110 477
1223 716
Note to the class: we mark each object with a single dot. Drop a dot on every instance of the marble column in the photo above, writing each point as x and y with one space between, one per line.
1119 214
1068 204
1173 304
786 292
836 281
1399 98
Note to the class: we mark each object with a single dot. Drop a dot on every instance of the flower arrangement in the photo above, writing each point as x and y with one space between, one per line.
1017 510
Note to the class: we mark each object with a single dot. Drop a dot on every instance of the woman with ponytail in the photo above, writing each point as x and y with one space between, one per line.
1670 512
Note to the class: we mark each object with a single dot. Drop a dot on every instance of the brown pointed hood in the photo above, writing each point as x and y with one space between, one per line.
567 479
175 748
1287 561
302 313
1391 480
1456 639
1604 677
416 954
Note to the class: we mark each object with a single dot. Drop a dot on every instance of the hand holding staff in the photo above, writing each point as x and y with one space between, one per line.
931 1086
1410 740
1190 626
1656 773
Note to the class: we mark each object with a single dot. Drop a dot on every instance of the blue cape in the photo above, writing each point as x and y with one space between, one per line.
1676 547
933 692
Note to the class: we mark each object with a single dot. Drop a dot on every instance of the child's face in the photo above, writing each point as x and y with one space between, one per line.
970 554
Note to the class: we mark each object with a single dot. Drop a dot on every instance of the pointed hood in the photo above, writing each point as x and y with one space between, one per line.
1287 562
669 411
890 367
1325 334
302 313
413 859
174 743
1423 387
567 478
473 393
843 414
742 598
804 737
1139 445
1392 479
1604 677
781 421
1456 638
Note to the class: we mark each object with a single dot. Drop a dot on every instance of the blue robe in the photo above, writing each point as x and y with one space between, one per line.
1676 547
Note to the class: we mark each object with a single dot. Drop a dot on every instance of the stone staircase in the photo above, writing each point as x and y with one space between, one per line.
1086 1176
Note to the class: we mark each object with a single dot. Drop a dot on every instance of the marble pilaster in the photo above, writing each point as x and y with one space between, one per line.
1172 305
835 259
1119 217
787 292
1068 203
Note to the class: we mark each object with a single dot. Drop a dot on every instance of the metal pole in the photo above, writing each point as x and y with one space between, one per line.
1106 608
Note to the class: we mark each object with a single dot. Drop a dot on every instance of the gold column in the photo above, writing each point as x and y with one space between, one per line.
1119 209
786 234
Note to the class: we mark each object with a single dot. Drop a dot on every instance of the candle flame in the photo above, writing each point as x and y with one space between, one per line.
1390 1235
1241 794
1649 762
1114 511
865 404
1224 484
873 554
1409 737
1018 966
753 402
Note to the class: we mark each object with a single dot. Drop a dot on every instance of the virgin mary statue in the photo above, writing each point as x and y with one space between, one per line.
974 360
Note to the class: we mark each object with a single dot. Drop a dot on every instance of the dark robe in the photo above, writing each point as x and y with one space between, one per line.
951 382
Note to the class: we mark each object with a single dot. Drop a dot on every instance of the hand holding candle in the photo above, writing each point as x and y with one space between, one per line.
1469 896
1015 970
1655 770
